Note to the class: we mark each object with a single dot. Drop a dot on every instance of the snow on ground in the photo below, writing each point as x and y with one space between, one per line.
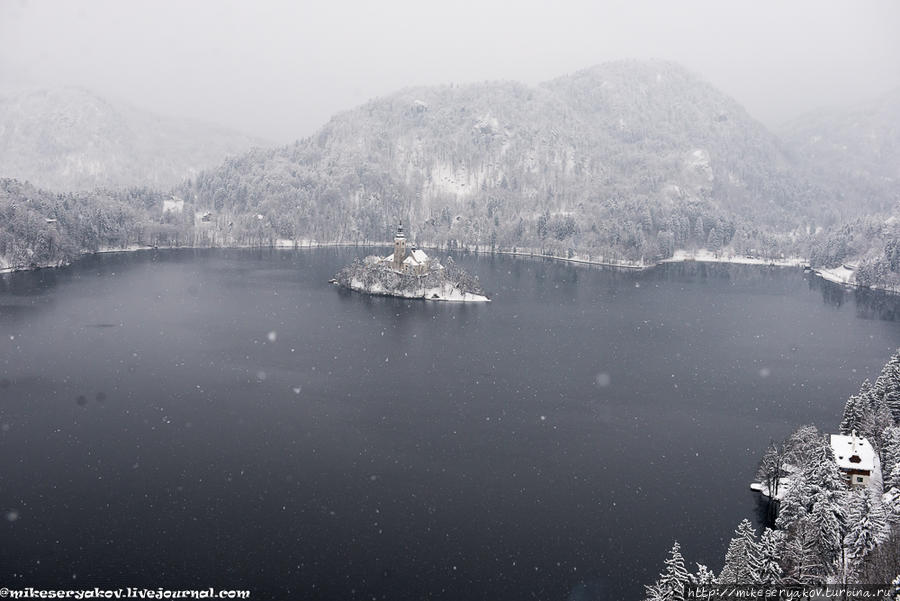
783 486
173 205
122 249
444 293
838 275
729 256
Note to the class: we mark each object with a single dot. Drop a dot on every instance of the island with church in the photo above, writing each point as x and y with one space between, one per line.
410 273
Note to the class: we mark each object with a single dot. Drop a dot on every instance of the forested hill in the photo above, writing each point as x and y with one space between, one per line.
855 151
626 160
69 139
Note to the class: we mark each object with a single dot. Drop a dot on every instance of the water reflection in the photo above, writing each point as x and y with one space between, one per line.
546 444
868 303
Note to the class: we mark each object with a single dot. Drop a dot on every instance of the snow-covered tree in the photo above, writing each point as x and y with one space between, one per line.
799 444
793 506
853 415
867 525
653 592
703 576
675 577
770 467
770 557
827 528
890 457
671 583
801 563
887 386
822 469
742 558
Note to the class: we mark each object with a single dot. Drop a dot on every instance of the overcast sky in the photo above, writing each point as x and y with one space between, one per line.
280 69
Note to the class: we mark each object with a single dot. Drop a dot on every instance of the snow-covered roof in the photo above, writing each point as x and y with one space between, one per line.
414 258
852 452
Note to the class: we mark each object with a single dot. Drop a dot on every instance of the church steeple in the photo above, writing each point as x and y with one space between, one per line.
399 247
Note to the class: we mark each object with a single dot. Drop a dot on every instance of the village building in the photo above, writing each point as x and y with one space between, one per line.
855 458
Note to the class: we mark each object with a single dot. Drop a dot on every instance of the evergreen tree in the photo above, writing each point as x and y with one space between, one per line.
890 456
867 525
704 576
822 468
801 563
853 415
653 592
770 557
887 386
675 577
881 419
793 506
893 479
769 472
742 560
826 529
798 446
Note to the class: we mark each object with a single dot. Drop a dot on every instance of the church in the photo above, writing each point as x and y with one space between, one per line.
403 260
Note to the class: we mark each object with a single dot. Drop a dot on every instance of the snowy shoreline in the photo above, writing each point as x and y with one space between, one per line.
443 294
839 275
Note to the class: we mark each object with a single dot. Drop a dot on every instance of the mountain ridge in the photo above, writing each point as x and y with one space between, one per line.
632 141
70 138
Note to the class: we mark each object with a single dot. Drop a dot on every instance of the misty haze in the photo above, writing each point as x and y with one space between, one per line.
582 301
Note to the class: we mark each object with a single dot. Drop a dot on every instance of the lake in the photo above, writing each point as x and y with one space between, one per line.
228 419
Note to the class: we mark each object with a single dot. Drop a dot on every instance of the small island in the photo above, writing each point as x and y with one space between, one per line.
410 273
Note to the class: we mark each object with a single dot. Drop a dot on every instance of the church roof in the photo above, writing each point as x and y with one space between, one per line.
414 258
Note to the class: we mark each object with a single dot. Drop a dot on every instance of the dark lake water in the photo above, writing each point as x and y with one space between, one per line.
228 419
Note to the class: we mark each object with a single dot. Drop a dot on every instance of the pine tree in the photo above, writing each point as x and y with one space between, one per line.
769 472
887 386
826 528
798 446
704 576
793 506
893 479
673 580
800 559
823 470
852 418
742 557
890 456
880 420
770 557
867 526
653 592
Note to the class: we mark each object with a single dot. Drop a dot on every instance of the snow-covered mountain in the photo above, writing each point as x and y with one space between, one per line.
69 139
856 150
603 160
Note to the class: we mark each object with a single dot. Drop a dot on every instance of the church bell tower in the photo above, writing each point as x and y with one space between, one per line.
399 247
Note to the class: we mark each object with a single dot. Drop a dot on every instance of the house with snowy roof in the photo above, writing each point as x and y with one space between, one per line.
406 260
855 458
